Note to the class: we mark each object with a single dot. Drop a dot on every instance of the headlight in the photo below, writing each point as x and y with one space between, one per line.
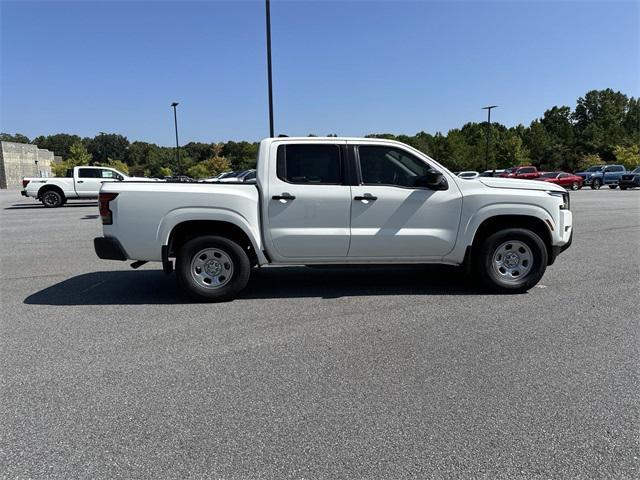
566 201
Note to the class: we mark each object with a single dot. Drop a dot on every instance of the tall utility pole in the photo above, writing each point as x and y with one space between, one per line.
175 122
486 156
268 11
104 147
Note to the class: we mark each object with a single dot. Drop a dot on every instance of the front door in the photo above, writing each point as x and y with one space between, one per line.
308 203
393 219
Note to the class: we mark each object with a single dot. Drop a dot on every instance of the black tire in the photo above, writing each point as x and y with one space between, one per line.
623 188
596 184
575 186
236 262
52 199
613 187
483 260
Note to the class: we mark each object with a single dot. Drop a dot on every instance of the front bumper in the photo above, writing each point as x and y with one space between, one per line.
109 248
23 193
563 236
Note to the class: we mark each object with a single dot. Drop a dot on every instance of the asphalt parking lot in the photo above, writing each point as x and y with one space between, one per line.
391 373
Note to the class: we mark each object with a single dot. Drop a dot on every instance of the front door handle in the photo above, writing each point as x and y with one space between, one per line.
80 181
366 196
284 196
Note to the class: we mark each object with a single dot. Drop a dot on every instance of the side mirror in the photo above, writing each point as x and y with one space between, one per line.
433 180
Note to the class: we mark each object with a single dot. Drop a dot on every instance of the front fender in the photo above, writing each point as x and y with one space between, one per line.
469 228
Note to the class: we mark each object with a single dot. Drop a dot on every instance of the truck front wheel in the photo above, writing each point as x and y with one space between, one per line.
596 184
212 268
52 199
511 260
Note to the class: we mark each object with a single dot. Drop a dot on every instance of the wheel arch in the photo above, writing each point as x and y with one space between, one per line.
186 230
48 187
500 222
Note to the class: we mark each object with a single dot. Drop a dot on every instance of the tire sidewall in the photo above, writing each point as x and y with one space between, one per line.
59 202
486 252
596 185
241 268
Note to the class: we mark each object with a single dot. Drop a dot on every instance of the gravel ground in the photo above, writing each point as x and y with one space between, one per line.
399 372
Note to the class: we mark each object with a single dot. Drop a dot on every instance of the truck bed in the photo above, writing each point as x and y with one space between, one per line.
144 213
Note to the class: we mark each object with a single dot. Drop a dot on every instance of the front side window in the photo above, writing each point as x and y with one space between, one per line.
108 174
527 170
381 165
313 164
89 173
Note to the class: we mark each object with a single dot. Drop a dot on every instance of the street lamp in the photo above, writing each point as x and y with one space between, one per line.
268 18
175 121
104 147
486 157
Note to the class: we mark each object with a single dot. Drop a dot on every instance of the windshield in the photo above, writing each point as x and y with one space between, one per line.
549 175
593 169
636 170
511 170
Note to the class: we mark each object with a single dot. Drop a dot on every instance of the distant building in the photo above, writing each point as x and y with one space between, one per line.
19 160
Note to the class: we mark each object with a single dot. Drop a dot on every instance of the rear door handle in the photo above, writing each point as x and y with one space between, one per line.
284 196
80 181
366 196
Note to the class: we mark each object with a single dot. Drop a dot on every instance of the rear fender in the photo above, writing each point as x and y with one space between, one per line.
187 214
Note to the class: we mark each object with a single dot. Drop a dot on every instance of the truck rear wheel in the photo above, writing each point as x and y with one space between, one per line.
613 187
511 260
212 268
596 184
52 199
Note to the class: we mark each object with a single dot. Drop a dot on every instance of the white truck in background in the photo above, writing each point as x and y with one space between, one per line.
338 201
78 183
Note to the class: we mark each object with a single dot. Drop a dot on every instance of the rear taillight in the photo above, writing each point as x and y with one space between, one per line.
105 213
25 182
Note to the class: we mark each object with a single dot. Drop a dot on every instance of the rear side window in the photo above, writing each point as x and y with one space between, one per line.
89 173
616 168
314 164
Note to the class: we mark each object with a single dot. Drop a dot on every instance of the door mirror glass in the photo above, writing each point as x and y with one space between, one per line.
433 179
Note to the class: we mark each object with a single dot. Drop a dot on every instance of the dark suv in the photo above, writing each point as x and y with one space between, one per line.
630 179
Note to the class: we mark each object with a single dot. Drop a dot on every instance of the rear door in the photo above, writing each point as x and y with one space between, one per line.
390 216
308 201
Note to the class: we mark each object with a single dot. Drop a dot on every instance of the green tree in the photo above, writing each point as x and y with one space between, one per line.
628 156
600 118
59 144
78 156
109 145
17 138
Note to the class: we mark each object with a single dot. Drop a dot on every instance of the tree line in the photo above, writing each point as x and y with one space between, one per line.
603 127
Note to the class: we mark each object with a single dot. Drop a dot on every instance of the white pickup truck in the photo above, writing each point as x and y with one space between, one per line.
337 201
79 182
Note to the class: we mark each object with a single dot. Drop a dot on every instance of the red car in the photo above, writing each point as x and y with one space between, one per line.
566 180
526 171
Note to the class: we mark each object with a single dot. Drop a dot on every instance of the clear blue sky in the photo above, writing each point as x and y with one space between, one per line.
350 68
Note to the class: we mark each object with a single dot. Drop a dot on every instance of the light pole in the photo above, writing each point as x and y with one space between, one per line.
268 18
175 122
486 157
104 148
